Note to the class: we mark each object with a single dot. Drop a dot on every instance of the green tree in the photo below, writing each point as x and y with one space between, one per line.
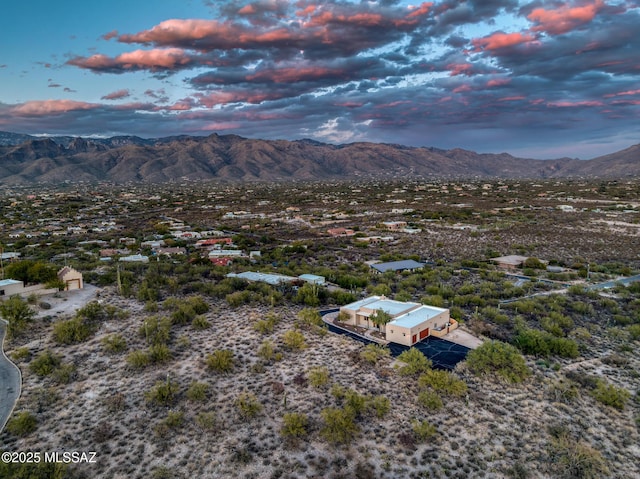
496 357
22 424
380 318
339 425
415 362
17 313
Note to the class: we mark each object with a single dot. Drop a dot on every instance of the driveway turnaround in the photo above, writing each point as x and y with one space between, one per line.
10 381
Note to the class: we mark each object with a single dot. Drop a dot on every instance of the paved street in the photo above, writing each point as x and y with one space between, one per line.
10 382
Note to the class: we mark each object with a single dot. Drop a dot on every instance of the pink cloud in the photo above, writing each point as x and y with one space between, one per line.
462 89
459 69
110 35
240 96
51 107
623 93
156 59
501 40
573 104
512 98
565 18
295 74
498 82
116 95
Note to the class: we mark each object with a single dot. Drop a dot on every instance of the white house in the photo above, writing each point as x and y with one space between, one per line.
410 322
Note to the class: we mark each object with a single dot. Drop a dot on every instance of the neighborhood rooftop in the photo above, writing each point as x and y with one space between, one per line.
417 316
407 264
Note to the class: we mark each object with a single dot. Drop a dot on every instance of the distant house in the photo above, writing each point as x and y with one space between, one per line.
410 322
9 256
312 278
269 278
510 262
71 278
397 266
135 258
221 261
225 253
211 242
170 251
336 232
394 225
9 287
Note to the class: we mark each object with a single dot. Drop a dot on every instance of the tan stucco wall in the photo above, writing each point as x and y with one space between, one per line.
401 335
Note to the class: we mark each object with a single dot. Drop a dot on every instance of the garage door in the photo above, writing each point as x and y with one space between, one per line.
424 334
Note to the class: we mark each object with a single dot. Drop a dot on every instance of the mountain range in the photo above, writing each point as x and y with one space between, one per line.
27 159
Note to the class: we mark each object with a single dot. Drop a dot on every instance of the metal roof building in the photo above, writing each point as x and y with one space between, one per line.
404 265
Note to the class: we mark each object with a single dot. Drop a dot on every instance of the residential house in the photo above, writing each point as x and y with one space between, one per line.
312 278
337 232
71 278
409 323
511 262
9 287
394 225
398 266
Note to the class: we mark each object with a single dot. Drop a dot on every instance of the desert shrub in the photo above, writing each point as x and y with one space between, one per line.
634 331
564 391
71 331
379 406
159 353
430 400
220 361
415 362
163 393
65 373
264 326
556 323
41 470
496 357
138 359
354 403
200 323
294 340
183 315
610 395
115 402
544 344
372 353
114 343
197 392
21 354
206 421
443 382
174 419
294 425
248 405
423 430
45 363
572 459
318 377
156 330
267 351
22 424
339 426
199 305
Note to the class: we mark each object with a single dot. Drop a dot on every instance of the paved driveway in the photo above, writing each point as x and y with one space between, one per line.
10 381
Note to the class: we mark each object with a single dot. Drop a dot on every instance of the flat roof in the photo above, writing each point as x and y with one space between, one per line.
7 282
417 316
513 259
362 302
390 306
269 278
397 265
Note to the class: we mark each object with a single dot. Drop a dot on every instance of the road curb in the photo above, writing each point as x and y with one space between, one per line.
4 336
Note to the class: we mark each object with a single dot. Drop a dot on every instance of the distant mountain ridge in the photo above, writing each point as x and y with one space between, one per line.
27 159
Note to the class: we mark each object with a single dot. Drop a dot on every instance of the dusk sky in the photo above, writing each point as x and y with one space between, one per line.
541 79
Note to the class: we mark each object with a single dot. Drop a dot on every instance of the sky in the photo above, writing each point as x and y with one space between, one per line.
540 79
